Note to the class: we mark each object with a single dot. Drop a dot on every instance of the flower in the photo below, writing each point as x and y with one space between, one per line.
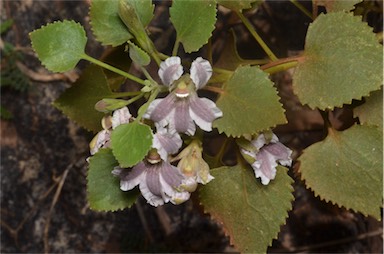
166 143
103 138
182 108
193 166
266 155
159 182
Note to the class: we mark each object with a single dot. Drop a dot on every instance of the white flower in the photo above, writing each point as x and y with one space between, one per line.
158 183
120 116
182 108
267 157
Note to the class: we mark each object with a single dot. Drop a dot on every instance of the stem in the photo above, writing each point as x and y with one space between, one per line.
176 47
222 71
137 97
281 64
210 50
162 56
255 35
302 8
147 75
111 68
124 94
219 156
145 106
213 89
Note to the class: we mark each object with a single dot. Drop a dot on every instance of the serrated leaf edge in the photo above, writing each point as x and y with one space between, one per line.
226 231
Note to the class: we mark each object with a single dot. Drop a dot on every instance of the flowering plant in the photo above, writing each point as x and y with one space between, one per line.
155 132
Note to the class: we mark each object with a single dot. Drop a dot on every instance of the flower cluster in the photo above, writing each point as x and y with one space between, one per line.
158 180
265 155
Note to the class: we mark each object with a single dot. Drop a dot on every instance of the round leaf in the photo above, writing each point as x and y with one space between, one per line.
252 93
342 61
194 22
251 213
346 169
131 143
371 112
103 188
59 45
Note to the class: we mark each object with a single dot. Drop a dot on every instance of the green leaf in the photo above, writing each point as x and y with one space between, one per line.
342 61
250 92
237 5
103 188
117 57
59 45
371 112
138 55
106 23
144 10
251 213
194 22
131 143
346 169
337 5
78 101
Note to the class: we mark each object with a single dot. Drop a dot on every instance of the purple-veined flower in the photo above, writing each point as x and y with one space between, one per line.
166 143
103 138
266 156
182 108
159 182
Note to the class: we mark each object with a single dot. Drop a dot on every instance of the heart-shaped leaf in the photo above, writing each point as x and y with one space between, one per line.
346 169
342 61
78 101
371 112
59 45
249 103
103 188
194 22
251 213
131 143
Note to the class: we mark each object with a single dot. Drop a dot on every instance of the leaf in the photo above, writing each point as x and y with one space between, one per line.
237 5
59 45
371 112
106 23
138 55
144 10
78 101
250 92
117 57
103 188
346 169
194 22
5 25
342 61
131 143
251 213
337 5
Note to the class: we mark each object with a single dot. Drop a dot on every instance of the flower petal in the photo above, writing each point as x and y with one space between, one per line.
265 167
201 72
204 111
101 140
181 120
153 180
129 179
180 197
280 152
171 175
170 70
160 109
120 116
149 196
166 143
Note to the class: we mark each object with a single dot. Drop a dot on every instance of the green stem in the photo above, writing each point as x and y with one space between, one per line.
113 69
302 8
124 94
145 106
257 37
281 64
137 97
222 71
217 161
147 75
213 89
176 47
162 56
